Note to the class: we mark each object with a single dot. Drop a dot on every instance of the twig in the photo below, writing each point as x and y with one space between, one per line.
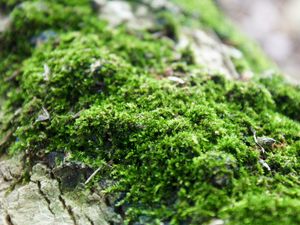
93 174
6 137
256 142
264 164
97 170
261 161
13 76
46 72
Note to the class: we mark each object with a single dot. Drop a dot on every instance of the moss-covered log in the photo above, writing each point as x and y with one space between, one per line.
174 107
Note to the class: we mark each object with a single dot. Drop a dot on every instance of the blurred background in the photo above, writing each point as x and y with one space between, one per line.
275 24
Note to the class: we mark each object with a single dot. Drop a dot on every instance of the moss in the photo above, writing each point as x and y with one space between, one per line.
286 96
9 5
29 19
265 208
175 153
168 25
145 52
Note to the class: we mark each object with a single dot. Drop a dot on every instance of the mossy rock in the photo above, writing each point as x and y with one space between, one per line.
174 140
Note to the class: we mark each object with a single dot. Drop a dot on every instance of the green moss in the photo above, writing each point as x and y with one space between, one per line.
178 153
29 19
9 5
265 208
286 96
144 53
168 25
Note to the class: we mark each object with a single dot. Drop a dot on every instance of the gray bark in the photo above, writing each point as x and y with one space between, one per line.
43 201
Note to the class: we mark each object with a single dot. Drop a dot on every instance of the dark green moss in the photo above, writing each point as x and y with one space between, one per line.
178 153
8 5
168 25
265 208
286 96
29 19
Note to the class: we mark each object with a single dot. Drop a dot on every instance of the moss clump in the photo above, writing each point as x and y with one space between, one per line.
9 5
143 53
287 97
265 208
29 19
168 25
175 152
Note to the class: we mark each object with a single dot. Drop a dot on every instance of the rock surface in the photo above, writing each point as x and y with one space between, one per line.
208 50
42 200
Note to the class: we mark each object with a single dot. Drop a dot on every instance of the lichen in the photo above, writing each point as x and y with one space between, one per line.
178 153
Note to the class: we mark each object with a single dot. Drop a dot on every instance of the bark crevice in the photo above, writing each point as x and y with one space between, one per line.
45 197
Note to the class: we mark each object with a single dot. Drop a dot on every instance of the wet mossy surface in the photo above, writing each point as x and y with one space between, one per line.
176 153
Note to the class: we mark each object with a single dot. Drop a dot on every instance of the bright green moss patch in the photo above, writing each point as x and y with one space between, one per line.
265 208
144 53
174 152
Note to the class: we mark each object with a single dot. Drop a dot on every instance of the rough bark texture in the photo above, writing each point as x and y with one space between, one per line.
42 200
